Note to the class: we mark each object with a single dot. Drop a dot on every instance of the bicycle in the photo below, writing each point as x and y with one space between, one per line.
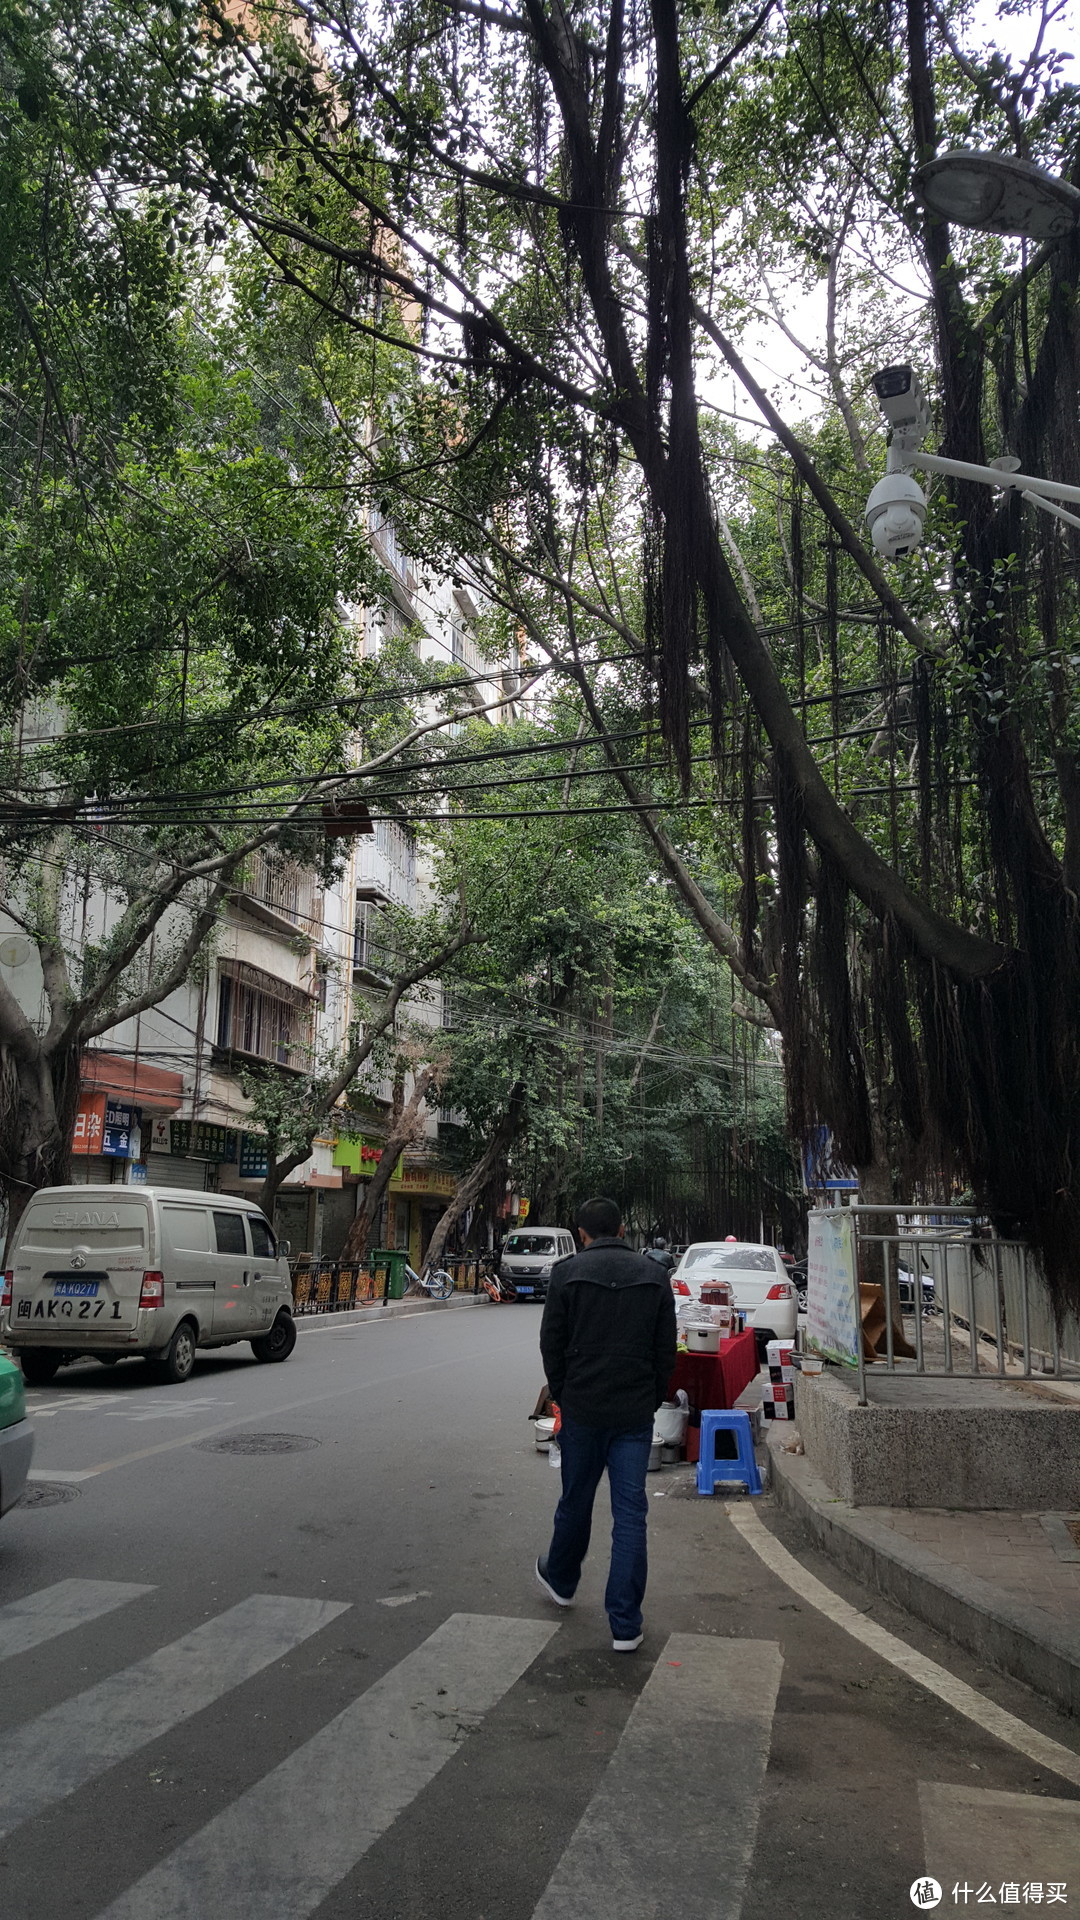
436 1281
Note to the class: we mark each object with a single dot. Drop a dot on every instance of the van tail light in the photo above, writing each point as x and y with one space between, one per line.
5 1297
680 1286
153 1289
783 1290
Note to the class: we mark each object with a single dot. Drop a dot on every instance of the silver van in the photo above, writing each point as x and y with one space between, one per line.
111 1271
528 1256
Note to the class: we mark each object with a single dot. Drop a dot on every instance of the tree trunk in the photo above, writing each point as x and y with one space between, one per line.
474 1182
403 1133
41 1094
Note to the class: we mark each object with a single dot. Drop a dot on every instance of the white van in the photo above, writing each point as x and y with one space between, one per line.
111 1271
529 1255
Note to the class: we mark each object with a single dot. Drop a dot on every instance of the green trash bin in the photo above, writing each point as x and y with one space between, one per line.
388 1264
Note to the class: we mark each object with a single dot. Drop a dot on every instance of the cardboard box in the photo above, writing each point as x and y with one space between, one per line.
778 1409
778 1358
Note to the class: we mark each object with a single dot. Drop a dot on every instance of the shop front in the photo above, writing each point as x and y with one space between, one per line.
419 1194
119 1102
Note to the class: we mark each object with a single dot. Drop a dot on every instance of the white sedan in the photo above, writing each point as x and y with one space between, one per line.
758 1278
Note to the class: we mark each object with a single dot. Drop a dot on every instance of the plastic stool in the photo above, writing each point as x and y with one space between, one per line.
738 1465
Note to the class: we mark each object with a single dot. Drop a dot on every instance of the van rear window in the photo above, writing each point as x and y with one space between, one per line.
47 1226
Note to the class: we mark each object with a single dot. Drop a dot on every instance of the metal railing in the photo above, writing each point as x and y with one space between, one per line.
333 1286
968 1302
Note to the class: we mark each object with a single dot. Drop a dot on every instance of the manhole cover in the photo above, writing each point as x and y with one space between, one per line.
260 1443
47 1493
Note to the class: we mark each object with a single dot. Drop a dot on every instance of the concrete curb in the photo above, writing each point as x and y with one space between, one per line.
386 1310
1001 1632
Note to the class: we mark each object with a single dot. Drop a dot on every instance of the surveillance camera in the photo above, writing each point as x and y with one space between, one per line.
895 513
904 405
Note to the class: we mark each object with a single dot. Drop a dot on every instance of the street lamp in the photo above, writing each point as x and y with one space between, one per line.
998 194
896 509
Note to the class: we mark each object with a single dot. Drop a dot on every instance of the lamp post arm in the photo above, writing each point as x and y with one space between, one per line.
1025 483
1048 506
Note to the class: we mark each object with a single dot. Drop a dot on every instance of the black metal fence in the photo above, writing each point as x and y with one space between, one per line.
332 1286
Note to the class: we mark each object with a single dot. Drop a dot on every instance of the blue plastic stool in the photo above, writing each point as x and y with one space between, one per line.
738 1466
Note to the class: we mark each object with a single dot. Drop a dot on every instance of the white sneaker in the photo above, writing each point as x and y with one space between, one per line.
627 1646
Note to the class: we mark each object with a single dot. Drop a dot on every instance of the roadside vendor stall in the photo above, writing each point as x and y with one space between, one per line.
714 1380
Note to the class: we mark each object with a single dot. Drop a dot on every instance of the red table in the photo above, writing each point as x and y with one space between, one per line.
714 1379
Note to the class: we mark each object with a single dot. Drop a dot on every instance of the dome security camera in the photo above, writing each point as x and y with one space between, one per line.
895 513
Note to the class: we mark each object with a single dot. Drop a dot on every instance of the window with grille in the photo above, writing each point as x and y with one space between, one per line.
373 949
263 1017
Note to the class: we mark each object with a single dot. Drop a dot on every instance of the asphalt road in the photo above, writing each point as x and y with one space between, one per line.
256 1685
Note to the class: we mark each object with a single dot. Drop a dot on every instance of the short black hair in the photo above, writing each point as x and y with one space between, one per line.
599 1217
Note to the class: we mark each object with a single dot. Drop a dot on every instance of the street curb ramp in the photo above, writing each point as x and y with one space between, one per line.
1003 1633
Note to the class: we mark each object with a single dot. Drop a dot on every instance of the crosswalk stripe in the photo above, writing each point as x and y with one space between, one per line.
708 1703
277 1851
985 1837
51 1756
41 1616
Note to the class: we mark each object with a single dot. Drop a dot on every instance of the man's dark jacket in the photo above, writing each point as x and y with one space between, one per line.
608 1335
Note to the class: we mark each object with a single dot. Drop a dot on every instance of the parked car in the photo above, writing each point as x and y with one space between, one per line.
529 1255
761 1285
16 1434
112 1271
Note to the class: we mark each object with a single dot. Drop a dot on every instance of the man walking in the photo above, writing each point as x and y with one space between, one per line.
608 1345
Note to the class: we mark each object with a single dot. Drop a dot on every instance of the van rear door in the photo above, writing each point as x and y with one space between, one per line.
77 1267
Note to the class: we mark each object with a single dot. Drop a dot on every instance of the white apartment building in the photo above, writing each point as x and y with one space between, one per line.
161 1096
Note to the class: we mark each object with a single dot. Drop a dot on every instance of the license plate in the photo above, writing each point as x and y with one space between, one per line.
525 1289
75 1290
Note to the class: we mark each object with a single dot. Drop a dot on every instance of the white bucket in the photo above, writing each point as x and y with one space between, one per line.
544 1430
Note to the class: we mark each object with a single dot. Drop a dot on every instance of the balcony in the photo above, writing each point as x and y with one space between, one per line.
281 894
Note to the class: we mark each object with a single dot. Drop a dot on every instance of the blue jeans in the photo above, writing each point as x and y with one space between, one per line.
586 1451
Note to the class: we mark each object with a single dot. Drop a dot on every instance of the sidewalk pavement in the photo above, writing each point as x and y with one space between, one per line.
1003 1585
387 1310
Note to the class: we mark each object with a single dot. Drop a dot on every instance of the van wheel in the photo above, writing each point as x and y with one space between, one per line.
175 1364
38 1365
279 1342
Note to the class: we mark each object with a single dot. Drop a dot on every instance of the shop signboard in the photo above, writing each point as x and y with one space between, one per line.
89 1124
119 1131
832 1294
354 1153
202 1139
160 1135
137 1173
212 1142
823 1171
253 1160
424 1180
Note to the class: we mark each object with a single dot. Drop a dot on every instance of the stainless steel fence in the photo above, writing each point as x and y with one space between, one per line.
967 1302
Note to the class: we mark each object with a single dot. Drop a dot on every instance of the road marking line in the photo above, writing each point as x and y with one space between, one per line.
277 1851
40 1616
925 1672
60 1751
981 1835
60 1473
712 1701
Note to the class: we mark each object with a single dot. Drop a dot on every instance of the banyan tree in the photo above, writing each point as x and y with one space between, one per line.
582 215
